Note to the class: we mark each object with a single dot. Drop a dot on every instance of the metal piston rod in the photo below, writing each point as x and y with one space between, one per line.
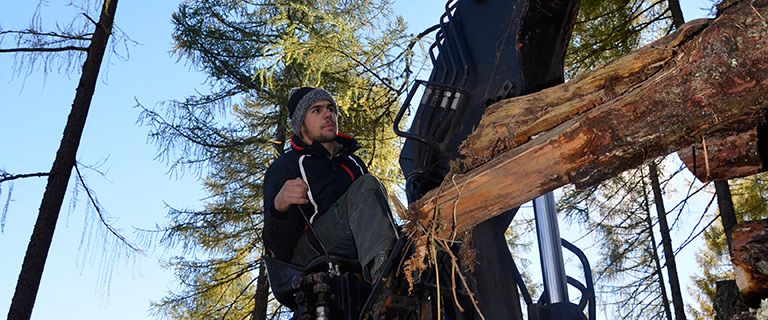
550 250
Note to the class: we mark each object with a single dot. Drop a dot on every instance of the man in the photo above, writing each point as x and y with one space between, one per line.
321 178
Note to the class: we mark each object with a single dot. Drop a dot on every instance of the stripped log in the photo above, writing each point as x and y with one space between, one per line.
749 255
513 122
711 77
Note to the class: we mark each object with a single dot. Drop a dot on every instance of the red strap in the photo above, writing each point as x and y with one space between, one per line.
294 145
349 172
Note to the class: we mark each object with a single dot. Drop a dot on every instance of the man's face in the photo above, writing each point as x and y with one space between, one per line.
320 123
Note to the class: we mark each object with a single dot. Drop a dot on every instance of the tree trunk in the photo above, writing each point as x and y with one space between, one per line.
262 294
655 256
728 302
40 242
677 13
727 212
708 77
666 242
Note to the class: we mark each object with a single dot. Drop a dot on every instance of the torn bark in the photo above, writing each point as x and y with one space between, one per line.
749 255
723 158
513 122
708 78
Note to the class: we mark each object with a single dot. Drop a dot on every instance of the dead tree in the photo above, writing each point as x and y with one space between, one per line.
37 251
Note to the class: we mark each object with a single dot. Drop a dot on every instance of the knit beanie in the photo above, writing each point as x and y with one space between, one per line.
299 101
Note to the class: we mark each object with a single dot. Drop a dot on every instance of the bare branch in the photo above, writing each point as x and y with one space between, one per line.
103 219
83 37
59 49
5 208
90 19
4 176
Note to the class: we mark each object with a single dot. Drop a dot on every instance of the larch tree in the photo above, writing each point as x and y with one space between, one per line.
620 215
666 241
606 30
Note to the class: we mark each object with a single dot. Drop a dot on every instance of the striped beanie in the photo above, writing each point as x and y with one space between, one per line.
299 101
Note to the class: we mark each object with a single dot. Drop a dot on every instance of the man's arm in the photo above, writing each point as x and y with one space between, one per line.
282 228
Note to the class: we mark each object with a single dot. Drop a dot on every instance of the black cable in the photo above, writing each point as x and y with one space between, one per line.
312 229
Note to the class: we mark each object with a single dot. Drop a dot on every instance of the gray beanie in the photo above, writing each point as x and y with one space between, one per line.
299 101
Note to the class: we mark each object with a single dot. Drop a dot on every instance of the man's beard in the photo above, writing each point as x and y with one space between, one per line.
328 137
323 138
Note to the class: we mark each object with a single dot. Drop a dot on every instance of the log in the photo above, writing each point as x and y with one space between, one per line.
749 255
710 77
720 158
513 122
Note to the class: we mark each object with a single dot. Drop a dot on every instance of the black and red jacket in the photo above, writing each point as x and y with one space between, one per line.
328 178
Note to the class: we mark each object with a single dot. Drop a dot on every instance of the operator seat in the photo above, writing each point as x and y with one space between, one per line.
344 276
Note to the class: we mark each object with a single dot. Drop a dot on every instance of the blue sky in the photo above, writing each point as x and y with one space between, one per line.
33 112
136 187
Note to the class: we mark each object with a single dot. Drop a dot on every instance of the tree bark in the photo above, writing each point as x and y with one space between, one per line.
727 211
666 242
709 77
719 158
40 242
262 294
728 303
614 87
749 255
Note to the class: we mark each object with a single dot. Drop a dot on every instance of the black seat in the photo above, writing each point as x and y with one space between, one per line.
281 274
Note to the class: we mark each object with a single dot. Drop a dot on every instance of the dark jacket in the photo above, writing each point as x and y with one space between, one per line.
327 177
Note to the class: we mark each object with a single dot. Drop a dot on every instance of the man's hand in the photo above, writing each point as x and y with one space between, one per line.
293 192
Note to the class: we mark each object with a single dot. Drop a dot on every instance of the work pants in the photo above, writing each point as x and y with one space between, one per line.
358 226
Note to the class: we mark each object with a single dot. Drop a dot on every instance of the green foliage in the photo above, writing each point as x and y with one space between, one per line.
606 30
749 201
222 285
254 52
749 198
520 249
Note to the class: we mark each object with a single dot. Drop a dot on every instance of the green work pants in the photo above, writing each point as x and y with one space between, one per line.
358 226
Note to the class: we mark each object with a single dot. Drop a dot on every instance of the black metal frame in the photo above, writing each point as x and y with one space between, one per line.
526 54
